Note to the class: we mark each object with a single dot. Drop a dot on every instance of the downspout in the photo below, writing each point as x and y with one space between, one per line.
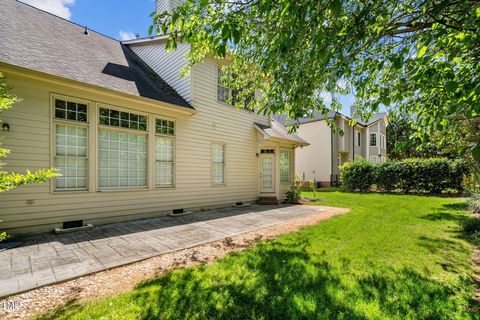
331 156
353 143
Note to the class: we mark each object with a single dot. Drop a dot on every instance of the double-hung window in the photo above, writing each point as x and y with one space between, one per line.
218 163
227 95
223 91
71 136
164 152
122 149
373 139
285 166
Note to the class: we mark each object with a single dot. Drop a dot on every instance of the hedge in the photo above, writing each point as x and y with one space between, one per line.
433 175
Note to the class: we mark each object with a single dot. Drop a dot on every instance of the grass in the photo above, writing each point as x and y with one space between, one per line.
391 257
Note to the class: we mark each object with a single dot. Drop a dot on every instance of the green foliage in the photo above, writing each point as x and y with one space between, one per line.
473 203
3 236
357 175
391 257
313 187
293 195
420 56
11 180
432 175
383 173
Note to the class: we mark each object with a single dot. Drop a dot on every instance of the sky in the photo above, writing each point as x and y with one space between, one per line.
119 19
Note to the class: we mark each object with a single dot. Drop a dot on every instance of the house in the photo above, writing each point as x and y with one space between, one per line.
328 150
131 138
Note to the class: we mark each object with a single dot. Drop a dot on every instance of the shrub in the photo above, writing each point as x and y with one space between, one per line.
357 175
434 175
473 203
293 195
471 225
383 175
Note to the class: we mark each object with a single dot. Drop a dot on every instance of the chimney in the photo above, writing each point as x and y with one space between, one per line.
168 5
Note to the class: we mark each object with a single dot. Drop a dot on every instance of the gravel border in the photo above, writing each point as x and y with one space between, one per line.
124 278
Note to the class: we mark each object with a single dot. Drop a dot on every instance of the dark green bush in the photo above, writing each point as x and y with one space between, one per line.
357 175
383 176
433 175
473 203
471 225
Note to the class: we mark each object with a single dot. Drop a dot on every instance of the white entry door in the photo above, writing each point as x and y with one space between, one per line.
267 164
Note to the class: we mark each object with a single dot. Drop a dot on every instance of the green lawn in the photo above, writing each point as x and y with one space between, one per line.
391 257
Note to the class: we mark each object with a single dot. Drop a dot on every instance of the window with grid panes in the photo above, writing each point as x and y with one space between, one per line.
285 166
218 163
71 155
121 119
164 153
122 154
373 139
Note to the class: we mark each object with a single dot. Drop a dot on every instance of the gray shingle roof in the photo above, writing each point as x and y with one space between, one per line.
317 116
279 131
37 40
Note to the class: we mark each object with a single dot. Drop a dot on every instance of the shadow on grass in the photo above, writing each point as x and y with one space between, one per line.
285 281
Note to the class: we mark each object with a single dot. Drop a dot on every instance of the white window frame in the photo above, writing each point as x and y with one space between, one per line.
370 139
290 152
126 131
221 85
213 164
173 163
53 154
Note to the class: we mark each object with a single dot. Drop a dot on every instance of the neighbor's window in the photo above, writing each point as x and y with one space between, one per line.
373 139
122 155
285 166
218 163
70 145
223 92
358 139
164 152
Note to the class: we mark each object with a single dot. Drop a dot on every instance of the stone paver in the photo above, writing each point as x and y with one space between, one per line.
49 258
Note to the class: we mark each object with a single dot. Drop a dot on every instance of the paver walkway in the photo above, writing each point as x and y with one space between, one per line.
48 258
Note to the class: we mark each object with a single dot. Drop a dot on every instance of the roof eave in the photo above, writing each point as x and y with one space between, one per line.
38 75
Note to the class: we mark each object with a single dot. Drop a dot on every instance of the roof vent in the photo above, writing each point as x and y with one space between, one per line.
86 31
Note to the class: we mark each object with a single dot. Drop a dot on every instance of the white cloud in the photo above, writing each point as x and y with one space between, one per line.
57 7
125 35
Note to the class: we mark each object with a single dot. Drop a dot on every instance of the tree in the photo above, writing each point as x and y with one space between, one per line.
11 180
421 56
402 142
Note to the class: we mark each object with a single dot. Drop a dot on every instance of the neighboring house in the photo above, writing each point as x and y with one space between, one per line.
131 138
328 150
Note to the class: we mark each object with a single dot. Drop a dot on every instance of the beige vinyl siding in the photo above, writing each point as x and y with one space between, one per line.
375 128
314 161
30 141
167 64
163 5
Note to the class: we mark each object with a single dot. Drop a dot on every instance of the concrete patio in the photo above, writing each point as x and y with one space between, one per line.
47 258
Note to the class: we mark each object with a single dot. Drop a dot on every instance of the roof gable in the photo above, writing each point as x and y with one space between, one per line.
40 41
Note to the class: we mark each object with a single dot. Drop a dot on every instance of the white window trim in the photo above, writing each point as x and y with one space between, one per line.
53 139
230 93
370 139
224 183
174 161
291 165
